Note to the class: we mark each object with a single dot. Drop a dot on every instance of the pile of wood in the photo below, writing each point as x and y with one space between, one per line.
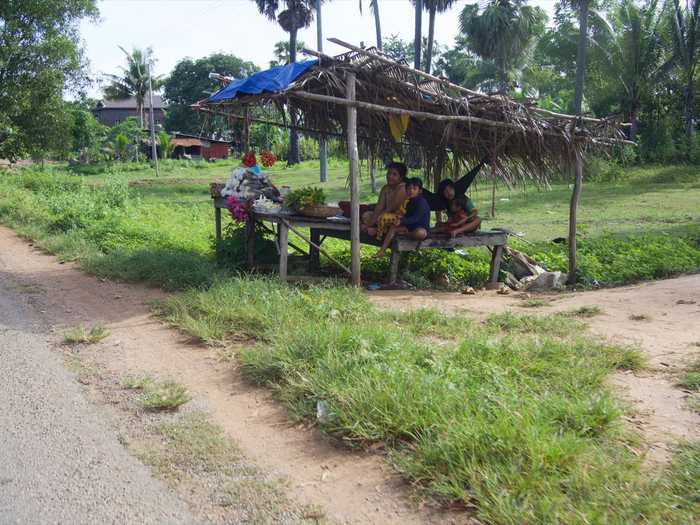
527 274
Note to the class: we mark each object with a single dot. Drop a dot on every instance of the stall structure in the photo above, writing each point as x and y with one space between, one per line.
382 105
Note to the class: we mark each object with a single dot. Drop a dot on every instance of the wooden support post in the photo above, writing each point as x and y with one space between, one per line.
496 256
283 232
394 263
246 132
250 240
217 220
354 157
573 206
314 254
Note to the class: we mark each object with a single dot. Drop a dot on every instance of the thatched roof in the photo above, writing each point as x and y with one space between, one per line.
446 121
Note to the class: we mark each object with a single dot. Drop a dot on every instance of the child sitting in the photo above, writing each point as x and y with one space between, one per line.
416 221
462 218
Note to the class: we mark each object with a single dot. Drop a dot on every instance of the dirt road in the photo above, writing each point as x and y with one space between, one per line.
60 458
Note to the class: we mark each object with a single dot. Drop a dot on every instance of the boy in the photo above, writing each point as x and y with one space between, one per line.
416 221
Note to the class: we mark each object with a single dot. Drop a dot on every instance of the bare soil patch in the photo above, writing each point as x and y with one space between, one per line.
348 486
662 318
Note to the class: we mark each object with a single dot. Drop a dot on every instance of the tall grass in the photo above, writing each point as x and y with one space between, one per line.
494 414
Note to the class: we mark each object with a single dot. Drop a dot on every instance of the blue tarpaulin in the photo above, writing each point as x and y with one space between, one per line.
272 80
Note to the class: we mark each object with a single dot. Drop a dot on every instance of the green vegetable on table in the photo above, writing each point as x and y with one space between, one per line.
304 197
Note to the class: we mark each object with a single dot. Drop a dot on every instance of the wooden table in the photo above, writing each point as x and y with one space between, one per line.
319 229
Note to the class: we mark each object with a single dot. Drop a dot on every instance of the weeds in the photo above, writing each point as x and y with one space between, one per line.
585 311
534 303
640 317
161 395
690 379
81 335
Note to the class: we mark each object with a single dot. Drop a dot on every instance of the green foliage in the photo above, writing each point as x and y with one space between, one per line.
449 269
304 197
597 169
80 334
166 147
40 57
186 84
87 133
613 260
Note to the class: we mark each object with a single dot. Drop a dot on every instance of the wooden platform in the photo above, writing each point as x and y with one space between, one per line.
320 229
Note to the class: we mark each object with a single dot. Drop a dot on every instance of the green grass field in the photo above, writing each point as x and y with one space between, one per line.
511 416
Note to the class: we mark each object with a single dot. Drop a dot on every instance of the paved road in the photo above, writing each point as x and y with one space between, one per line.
60 461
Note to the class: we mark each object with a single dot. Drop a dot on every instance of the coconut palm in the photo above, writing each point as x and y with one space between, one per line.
685 30
433 7
291 15
374 7
636 55
503 32
133 80
418 35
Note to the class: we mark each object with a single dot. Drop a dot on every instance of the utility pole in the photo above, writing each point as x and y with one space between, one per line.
321 139
154 150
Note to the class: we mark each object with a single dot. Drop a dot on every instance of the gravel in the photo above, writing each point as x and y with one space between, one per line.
60 458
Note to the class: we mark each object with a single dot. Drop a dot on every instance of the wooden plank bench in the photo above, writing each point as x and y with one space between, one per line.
320 229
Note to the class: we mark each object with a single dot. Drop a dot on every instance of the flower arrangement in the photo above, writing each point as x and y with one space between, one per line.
268 159
237 209
248 159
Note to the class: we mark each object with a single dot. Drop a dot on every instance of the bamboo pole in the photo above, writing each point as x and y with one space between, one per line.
354 158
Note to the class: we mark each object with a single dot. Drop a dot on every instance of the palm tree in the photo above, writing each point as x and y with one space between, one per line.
637 54
503 32
685 28
433 7
291 15
418 36
133 81
374 7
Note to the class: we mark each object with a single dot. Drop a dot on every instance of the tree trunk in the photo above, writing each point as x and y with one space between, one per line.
293 152
377 25
688 100
431 36
372 172
578 99
418 34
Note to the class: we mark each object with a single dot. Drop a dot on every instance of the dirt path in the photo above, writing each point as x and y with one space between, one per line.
661 317
351 487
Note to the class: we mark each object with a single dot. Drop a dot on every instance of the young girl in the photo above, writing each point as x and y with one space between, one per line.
462 218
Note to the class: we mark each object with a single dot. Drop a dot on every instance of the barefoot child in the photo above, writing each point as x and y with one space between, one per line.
415 222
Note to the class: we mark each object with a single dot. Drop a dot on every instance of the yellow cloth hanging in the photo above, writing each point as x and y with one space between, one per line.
398 124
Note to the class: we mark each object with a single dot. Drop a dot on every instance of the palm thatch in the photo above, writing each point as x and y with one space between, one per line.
449 125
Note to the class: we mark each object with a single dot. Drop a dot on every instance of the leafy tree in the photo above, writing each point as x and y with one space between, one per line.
87 133
133 80
132 130
189 82
685 31
504 32
418 34
40 58
433 7
291 15
121 145
282 54
400 50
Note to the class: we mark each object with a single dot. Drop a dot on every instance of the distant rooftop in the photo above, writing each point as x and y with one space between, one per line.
130 103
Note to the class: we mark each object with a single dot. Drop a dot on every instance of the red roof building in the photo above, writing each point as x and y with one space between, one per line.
198 148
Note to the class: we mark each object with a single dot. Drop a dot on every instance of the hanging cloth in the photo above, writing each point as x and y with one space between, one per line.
398 124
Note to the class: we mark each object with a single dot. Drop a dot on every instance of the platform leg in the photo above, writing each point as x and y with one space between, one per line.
314 254
394 264
217 219
496 256
250 241
283 233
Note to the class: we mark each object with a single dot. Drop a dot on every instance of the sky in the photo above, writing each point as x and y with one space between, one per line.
176 29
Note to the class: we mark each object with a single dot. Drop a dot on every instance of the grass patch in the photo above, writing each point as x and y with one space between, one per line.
585 311
534 303
690 379
512 414
162 395
83 335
